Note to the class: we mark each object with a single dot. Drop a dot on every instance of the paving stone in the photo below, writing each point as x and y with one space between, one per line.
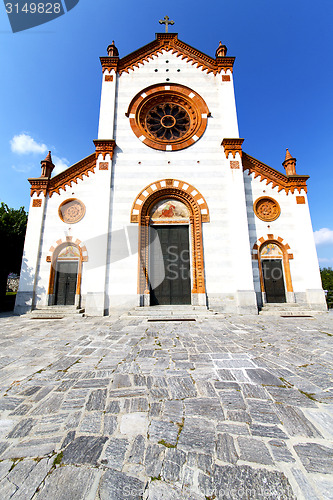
133 392
21 410
28 475
232 400
74 483
172 465
253 450
68 439
84 450
164 432
239 416
231 428
153 459
49 406
137 450
73 420
132 424
263 377
173 411
242 481
115 451
295 423
116 485
182 387
254 391
91 423
33 448
280 451
204 407
158 490
267 431
322 419
9 403
291 397
92 383
225 448
22 429
139 404
96 400
113 407
263 411
315 457
197 435
226 375
120 380
304 485
324 486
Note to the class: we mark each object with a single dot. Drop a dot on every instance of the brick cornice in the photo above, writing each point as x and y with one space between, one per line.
290 183
168 42
232 146
72 174
39 185
104 147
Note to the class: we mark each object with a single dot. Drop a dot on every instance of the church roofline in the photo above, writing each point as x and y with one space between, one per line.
65 178
169 42
278 179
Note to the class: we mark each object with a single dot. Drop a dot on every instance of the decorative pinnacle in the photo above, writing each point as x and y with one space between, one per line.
288 155
221 50
289 163
166 22
112 50
48 158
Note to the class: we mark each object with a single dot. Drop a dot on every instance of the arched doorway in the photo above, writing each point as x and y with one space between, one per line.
170 213
169 275
272 271
66 274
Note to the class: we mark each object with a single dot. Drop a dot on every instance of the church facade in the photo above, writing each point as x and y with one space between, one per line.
168 209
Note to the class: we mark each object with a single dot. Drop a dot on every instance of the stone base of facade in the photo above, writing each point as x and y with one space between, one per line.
240 302
23 302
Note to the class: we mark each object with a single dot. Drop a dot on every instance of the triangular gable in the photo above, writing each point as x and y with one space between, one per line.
168 42
276 178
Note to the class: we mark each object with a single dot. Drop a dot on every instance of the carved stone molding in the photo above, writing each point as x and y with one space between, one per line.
232 146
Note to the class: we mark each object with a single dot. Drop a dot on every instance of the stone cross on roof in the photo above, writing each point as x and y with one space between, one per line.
166 22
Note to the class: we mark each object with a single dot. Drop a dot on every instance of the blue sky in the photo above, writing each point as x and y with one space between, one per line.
51 77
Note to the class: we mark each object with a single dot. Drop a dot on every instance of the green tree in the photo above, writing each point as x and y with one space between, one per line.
327 281
13 225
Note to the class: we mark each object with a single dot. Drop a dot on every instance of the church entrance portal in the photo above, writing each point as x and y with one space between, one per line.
66 278
169 274
271 257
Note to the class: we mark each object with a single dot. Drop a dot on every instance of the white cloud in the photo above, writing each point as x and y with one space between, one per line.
325 260
22 168
23 144
324 236
60 164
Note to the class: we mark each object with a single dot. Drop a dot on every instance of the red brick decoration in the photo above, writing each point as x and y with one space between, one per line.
160 186
232 146
300 200
167 42
103 165
234 164
226 78
108 78
274 177
36 203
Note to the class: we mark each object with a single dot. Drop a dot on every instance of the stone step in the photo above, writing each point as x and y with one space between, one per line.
56 312
169 313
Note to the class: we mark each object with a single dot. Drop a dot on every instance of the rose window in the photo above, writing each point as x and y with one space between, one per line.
168 121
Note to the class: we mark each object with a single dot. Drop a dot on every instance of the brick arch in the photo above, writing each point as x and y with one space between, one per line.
187 194
53 255
287 256
165 184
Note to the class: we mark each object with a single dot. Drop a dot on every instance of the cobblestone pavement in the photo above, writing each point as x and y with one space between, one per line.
117 409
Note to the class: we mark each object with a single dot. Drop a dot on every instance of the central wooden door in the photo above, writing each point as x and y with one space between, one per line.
273 280
66 278
169 271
